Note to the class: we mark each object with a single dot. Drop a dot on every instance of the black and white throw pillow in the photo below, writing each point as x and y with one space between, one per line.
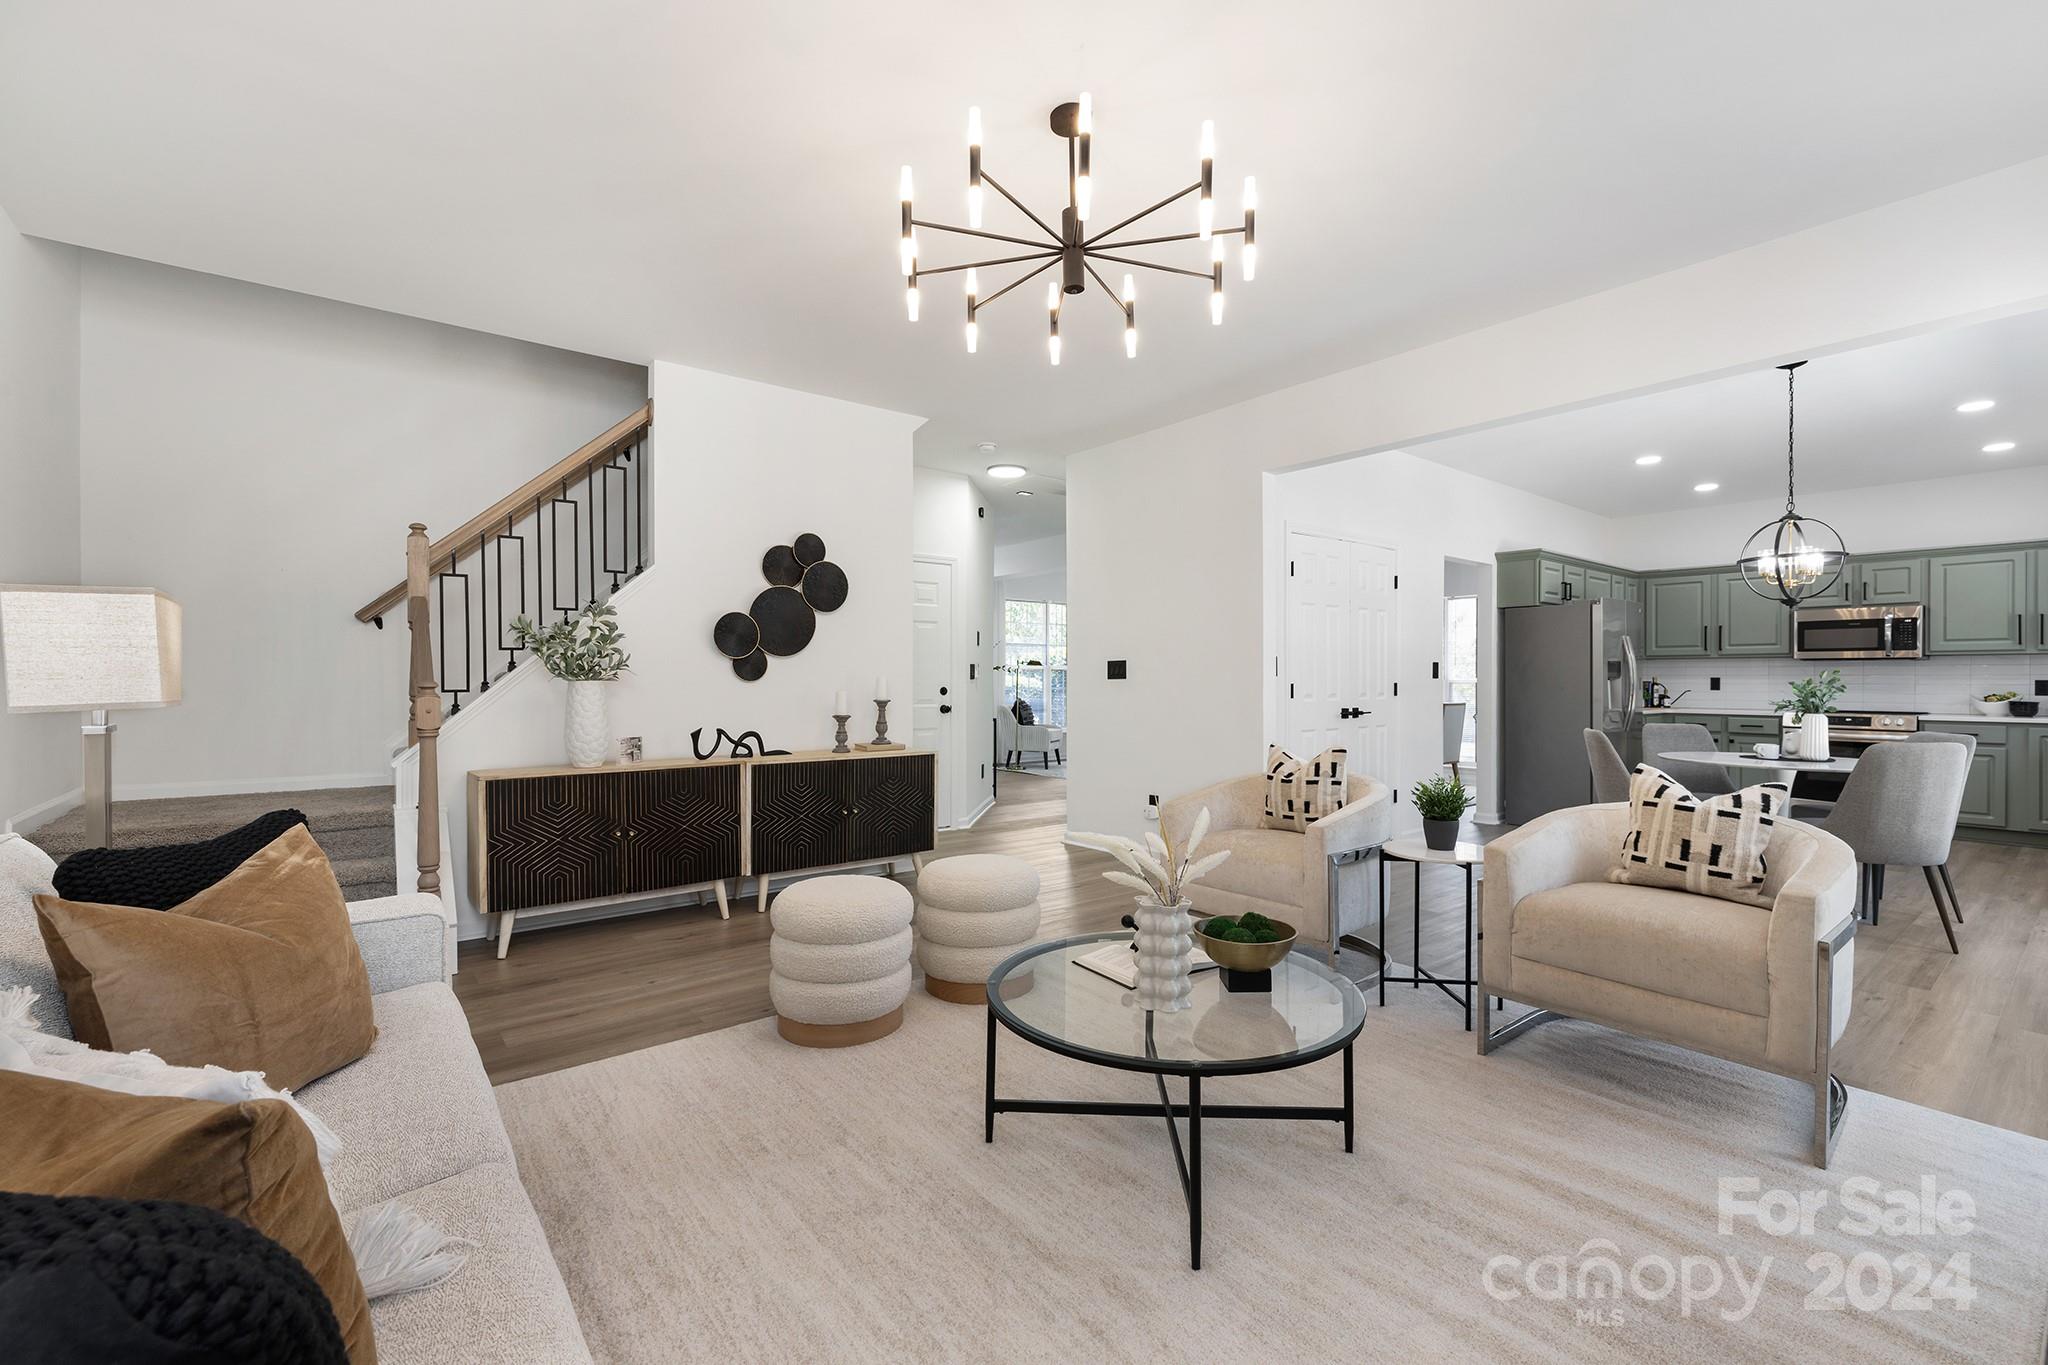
1299 793
1710 846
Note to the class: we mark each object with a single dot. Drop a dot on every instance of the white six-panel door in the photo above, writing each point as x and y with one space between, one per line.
1341 635
935 688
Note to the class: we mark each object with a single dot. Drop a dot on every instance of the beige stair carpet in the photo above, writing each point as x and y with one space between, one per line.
730 1197
352 825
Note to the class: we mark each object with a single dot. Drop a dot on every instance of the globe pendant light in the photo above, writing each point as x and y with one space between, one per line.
1795 558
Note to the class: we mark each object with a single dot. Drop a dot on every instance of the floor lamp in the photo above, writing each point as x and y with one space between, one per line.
93 650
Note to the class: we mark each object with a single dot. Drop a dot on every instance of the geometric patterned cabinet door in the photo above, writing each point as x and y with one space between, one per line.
827 811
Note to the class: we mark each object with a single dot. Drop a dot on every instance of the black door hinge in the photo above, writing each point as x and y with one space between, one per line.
1290 691
1290 568
1397 689
1397 582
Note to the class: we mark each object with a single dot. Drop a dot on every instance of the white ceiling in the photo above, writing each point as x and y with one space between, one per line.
1882 414
715 184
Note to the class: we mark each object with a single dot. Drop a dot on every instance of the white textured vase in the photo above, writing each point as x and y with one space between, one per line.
1813 737
587 727
1166 944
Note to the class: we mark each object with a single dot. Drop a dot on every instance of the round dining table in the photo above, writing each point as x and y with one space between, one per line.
1780 769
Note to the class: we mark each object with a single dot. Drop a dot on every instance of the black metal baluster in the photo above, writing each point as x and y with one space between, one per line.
483 593
510 533
575 558
590 514
640 536
455 694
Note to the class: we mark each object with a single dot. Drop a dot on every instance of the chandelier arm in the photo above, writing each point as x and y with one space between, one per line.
976 265
1113 296
1176 237
1089 241
975 232
983 303
988 179
1150 265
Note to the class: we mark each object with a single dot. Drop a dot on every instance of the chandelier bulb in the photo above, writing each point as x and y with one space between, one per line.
1084 125
974 125
904 192
910 299
1052 346
973 335
973 285
1052 296
1130 289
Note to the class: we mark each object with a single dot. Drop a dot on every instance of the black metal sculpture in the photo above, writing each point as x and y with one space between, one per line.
782 619
746 744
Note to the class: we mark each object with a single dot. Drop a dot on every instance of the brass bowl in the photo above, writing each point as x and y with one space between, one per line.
1247 957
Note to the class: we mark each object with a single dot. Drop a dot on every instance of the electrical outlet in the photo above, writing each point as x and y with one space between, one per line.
1713 684
1152 809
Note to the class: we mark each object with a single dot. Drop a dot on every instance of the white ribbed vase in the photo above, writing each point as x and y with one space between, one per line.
1166 943
1813 737
587 726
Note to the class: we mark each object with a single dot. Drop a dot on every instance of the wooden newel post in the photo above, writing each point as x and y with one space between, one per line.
423 702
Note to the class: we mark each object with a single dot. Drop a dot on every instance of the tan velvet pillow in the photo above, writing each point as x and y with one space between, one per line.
259 972
254 1161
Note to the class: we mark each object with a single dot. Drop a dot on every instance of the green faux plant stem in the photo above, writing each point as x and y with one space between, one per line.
586 647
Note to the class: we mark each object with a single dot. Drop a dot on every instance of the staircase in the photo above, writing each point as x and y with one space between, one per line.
565 540
352 825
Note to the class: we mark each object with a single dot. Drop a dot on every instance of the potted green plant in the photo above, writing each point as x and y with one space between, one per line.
1442 803
1807 709
586 651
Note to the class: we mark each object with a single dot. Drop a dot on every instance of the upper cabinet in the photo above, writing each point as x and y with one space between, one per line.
1889 582
1979 603
2041 602
1530 578
1749 624
1679 613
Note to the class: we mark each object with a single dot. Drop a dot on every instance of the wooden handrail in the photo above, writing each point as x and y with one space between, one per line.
448 546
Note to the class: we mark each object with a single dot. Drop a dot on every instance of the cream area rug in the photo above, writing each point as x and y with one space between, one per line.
1579 1195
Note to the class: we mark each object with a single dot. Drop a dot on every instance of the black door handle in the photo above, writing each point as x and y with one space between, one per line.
1351 713
1720 639
942 691
945 710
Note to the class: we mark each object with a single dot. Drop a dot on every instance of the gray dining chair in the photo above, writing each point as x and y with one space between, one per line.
1661 737
1610 774
1899 806
1969 743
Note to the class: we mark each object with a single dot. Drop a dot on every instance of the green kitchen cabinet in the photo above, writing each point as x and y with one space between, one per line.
1988 792
1679 613
1840 593
1978 603
2040 555
1890 581
1747 731
1574 582
1745 624
2029 809
1717 726
1549 580
1599 583
1632 586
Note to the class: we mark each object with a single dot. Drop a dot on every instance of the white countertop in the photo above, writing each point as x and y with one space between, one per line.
1933 718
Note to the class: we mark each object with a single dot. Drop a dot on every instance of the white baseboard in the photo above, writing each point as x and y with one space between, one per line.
983 809
35 817
243 786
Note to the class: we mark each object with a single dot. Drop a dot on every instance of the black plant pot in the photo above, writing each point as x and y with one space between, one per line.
1441 835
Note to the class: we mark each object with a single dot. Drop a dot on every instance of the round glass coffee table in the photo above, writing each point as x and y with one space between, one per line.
1044 996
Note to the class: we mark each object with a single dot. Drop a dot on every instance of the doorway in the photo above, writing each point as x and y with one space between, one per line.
935 676
1342 632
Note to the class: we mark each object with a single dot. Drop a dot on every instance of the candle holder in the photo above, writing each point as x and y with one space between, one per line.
881 739
839 745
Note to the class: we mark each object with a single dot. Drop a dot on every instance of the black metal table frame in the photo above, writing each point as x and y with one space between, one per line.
1188 1159
1421 975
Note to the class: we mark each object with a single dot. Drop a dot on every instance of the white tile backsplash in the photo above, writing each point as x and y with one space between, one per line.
1941 685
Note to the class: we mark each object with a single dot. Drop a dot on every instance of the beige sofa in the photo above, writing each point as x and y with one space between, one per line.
1280 873
418 1124
1765 987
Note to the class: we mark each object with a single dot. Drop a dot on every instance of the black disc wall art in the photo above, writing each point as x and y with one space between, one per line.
736 635
781 567
786 620
782 620
825 586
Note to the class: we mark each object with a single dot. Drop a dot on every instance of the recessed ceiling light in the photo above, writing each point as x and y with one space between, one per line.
1977 405
1998 447
1025 493
1649 459
1705 487
1007 471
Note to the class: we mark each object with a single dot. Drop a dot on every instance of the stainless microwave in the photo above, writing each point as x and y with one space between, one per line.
1857 632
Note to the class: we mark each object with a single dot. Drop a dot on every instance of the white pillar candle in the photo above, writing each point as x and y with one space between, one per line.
881 687
839 703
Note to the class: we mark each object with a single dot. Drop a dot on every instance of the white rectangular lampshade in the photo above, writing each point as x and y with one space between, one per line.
90 649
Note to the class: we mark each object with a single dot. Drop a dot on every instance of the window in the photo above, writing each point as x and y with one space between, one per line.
1035 658
1461 667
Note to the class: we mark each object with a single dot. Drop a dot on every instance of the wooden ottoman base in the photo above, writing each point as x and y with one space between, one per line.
839 1035
974 992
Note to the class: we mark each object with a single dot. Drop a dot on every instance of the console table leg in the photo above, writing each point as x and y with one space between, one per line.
505 919
1348 1110
718 889
761 894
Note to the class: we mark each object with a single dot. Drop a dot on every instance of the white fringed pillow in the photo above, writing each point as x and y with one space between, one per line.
1710 846
1300 793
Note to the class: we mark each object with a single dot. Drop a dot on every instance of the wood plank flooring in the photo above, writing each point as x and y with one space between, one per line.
1967 1035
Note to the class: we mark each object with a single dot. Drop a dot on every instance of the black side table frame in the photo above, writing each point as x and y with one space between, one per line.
1421 975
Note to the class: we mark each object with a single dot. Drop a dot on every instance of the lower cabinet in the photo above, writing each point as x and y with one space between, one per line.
2030 779
823 812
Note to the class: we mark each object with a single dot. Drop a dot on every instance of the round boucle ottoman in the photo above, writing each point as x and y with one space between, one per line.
839 960
972 912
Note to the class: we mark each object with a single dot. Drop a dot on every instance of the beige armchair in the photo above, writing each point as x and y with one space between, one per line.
1765 987
1279 872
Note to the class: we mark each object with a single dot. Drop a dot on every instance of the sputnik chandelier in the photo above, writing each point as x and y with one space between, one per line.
1072 248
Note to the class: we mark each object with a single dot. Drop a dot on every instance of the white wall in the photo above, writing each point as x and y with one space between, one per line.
947 522
1165 537
737 467
257 455
1048 554
39 755
1962 509
1425 513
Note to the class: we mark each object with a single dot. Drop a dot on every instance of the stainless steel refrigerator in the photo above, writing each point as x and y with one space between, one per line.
1565 669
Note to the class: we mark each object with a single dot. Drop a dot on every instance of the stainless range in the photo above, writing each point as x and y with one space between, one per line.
1850 733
